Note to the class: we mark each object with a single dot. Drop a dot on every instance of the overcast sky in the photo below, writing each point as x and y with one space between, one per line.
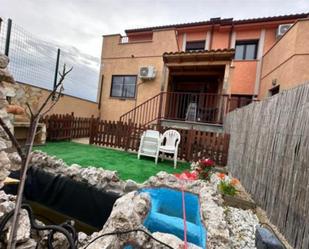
79 24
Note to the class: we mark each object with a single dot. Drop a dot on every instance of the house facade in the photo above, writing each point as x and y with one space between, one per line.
194 72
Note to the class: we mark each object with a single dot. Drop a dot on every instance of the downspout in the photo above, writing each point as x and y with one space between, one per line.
100 93
259 64
211 35
176 35
230 35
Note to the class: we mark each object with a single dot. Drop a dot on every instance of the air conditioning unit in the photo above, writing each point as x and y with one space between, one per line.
282 29
147 73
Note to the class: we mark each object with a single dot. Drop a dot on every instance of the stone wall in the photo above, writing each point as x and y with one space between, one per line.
7 202
6 81
26 93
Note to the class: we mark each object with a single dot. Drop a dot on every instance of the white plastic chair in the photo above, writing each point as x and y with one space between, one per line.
171 140
149 145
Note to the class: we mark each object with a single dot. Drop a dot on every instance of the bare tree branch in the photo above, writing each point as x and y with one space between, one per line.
63 75
34 120
54 102
29 107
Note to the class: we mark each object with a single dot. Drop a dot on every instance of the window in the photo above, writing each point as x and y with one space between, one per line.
195 45
123 86
246 50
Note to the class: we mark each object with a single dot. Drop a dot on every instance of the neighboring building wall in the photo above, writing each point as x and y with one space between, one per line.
67 104
126 59
287 61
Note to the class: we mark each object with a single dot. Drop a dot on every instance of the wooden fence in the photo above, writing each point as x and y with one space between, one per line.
193 145
66 126
269 152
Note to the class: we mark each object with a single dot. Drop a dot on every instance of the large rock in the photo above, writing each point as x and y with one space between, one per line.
128 213
4 61
6 203
6 76
15 161
23 230
5 165
130 185
29 244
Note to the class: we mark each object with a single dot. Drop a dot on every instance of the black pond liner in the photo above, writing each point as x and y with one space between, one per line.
74 199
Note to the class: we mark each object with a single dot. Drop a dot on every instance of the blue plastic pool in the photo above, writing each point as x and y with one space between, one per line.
166 215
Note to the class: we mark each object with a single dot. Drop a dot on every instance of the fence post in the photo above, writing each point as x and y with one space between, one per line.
128 135
160 106
8 38
57 68
119 133
91 130
189 145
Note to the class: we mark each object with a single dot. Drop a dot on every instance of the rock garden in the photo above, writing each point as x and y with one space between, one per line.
203 207
226 226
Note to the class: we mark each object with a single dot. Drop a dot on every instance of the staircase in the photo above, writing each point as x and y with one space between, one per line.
147 112
178 106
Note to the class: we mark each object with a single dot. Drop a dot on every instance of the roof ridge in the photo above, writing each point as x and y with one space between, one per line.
219 20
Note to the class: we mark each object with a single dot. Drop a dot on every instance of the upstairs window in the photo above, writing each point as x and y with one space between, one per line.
195 45
246 50
123 86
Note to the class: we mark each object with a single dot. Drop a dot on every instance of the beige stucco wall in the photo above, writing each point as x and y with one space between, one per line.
66 104
126 59
287 61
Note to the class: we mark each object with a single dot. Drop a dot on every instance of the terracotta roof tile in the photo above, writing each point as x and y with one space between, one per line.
212 51
225 21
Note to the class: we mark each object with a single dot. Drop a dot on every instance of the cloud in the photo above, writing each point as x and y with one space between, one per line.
33 61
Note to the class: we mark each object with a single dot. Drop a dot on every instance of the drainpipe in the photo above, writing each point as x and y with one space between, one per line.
230 35
211 35
184 41
207 42
259 64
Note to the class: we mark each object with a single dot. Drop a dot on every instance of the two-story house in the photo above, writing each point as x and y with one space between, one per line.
186 73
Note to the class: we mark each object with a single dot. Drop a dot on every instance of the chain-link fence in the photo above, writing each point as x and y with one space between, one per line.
33 61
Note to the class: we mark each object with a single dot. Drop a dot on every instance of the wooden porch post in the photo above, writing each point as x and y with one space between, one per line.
163 86
222 102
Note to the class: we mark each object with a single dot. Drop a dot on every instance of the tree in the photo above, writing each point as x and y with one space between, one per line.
25 152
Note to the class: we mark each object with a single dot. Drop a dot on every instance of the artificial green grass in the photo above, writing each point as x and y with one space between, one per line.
126 164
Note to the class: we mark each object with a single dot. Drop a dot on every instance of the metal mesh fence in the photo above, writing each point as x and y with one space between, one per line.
33 61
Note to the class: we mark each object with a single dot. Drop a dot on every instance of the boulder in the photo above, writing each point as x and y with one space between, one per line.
128 213
23 230
130 185
4 61
29 244
4 166
6 76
